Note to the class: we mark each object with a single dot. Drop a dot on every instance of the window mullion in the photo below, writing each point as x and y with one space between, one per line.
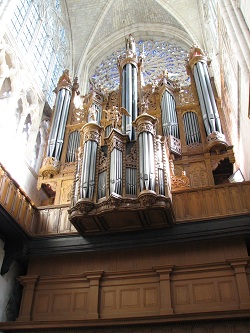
25 19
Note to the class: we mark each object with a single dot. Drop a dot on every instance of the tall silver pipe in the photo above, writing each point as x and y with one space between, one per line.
124 98
151 161
206 97
141 161
134 100
209 109
58 124
169 116
92 169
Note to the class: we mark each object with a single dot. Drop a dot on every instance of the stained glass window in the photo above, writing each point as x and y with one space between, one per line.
159 56
35 25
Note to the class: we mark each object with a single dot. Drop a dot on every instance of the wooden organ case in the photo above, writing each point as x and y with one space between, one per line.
119 156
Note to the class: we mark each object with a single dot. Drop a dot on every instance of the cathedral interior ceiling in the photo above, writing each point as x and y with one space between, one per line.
102 25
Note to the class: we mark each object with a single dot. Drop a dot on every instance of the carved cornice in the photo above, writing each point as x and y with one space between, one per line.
91 218
91 131
145 123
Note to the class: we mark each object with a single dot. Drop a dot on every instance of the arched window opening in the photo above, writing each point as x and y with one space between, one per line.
6 88
26 128
192 129
19 111
37 145
223 171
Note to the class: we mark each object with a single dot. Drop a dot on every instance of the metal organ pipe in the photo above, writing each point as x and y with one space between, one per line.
73 144
146 159
191 126
169 116
102 184
91 133
88 169
207 102
129 98
116 171
77 178
58 125
130 181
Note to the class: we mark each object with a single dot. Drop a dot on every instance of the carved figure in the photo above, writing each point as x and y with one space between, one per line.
130 45
115 116
64 78
92 114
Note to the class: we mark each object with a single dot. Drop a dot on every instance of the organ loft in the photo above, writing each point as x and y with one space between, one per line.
142 227
119 158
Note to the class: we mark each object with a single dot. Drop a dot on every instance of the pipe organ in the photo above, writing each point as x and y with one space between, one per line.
126 151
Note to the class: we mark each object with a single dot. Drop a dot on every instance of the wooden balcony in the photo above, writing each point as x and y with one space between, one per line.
190 205
211 202
16 202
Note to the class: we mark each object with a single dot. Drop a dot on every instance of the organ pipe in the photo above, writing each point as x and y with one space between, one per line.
169 116
129 98
73 144
205 93
145 129
91 135
56 137
191 126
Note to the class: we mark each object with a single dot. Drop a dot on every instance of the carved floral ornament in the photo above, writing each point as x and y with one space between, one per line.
178 182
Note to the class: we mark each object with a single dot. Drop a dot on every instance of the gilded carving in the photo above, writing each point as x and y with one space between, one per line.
102 162
50 167
178 182
198 174
91 131
186 96
66 191
131 158
114 116
216 140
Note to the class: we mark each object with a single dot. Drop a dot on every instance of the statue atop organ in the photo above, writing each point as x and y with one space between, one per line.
124 152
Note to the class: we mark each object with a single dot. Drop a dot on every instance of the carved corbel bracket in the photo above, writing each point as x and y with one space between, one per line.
50 167
216 141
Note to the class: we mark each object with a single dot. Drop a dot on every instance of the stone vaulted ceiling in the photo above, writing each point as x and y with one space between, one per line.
99 27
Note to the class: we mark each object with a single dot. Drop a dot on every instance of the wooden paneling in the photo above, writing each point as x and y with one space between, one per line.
133 294
155 291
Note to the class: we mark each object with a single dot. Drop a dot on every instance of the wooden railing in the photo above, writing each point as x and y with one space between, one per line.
189 205
212 202
16 202
53 220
